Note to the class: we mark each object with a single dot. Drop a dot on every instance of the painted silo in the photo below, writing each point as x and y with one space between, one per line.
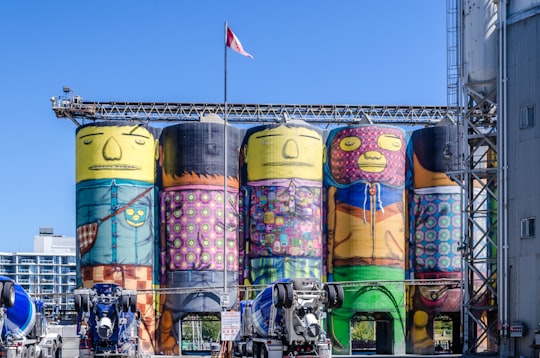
115 203
434 203
282 203
196 251
365 177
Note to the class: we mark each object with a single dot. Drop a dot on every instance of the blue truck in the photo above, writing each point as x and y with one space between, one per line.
25 330
107 321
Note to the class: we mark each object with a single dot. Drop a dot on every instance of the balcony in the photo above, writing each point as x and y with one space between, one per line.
27 261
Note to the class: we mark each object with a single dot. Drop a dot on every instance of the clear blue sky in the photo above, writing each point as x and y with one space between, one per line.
306 51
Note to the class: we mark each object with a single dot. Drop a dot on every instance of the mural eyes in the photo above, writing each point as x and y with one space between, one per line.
348 144
390 142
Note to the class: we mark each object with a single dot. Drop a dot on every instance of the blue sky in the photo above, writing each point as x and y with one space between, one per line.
306 51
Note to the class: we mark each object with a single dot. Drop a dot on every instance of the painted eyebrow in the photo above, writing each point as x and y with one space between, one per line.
136 135
90 135
390 135
310 136
269 135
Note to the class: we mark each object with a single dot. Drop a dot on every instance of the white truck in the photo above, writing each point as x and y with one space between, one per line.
23 325
284 320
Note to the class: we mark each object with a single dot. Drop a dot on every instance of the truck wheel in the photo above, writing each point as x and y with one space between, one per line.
31 352
330 295
133 303
289 294
125 303
77 302
58 352
84 302
256 350
8 294
340 296
278 297
264 351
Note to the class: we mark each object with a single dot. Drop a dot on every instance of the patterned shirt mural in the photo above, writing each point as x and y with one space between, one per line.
434 202
282 203
115 212
198 244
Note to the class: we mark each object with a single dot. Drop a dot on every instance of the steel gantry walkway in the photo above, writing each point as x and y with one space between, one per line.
75 108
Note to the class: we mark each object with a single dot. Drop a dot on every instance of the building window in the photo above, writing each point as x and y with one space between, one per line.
526 118
527 228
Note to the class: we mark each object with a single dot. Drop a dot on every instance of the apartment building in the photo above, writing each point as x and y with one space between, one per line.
48 273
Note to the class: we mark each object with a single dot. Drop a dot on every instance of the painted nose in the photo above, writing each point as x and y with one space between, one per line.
112 150
290 149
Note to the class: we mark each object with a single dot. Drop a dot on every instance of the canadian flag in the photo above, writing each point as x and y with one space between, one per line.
234 43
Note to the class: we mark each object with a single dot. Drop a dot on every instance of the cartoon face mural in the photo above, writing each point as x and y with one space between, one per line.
205 143
365 176
115 151
434 203
284 152
369 154
431 151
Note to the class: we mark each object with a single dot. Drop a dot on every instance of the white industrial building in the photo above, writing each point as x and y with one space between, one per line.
48 273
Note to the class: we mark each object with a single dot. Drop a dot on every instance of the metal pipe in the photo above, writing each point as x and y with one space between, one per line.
503 172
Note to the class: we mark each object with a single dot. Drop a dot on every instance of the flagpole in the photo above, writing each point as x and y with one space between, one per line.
225 261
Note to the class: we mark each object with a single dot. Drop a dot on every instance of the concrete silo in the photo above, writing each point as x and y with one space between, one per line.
282 203
435 227
365 177
115 213
198 244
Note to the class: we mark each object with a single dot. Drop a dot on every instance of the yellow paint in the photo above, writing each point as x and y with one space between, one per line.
348 144
390 142
372 162
123 152
425 178
284 152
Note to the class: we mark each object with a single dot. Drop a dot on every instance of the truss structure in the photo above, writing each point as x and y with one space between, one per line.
475 168
75 109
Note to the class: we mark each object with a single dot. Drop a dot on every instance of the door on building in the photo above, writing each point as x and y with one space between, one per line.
372 333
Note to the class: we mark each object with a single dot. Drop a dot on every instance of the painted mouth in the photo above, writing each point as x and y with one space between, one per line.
288 164
372 168
114 167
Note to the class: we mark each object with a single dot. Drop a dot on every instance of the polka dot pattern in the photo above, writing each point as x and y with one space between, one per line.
436 229
192 220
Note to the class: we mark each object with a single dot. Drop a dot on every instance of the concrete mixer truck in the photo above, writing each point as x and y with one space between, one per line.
284 320
107 321
23 324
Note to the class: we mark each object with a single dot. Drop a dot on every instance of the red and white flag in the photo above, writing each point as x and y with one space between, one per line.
234 43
